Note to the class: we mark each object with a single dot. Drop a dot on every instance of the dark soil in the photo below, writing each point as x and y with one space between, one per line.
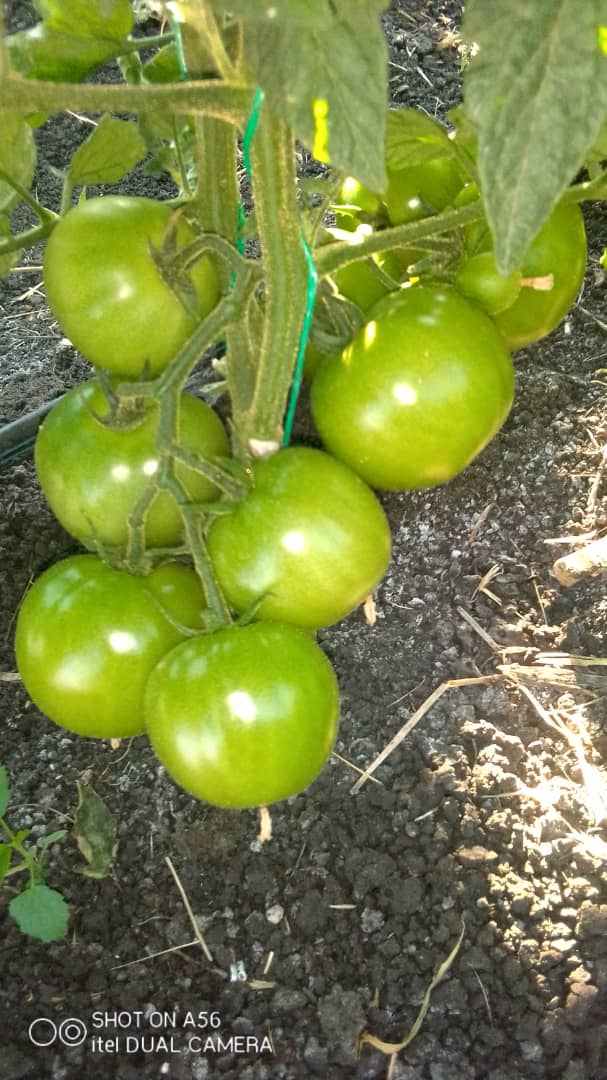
484 815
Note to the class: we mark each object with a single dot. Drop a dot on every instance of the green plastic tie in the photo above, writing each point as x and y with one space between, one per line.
303 341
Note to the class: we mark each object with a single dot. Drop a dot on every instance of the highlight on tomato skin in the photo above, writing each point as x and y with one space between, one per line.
245 716
307 544
88 637
419 393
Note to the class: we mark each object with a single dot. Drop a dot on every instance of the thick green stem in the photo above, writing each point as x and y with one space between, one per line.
273 174
226 101
333 257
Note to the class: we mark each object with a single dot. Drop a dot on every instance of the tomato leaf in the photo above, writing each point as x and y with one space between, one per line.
330 84
537 90
412 138
110 18
296 12
95 833
114 148
17 158
41 913
5 790
74 38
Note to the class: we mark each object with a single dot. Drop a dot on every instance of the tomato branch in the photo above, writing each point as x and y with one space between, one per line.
273 172
229 101
332 257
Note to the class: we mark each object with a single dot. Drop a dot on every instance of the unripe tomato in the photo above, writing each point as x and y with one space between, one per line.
93 475
363 205
479 279
560 250
307 544
244 716
419 392
88 636
419 190
107 292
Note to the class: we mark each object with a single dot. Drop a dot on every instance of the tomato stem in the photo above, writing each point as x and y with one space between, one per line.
273 174
47 217
228 101
332 257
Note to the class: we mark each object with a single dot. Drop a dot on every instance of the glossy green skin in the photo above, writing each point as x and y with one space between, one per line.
106 291
92 476
88 637
359 283
420 190
245 716
479 279
310 541
419 392
560 249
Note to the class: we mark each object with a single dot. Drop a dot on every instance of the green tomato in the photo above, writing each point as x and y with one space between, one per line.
419 190
107 292
479 279
88 637
419 392
359 283
362 205
307 544
245 716
93 475
558 253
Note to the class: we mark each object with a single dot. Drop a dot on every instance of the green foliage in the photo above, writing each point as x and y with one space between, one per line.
329 82
537 91
39 911
412 138
114 148
73 38
17 158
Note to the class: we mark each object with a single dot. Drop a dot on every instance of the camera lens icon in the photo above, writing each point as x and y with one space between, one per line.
45 1032
72 1032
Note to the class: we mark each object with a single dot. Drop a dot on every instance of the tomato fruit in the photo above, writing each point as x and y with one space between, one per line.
88 636
307 544
419 190
479 279
362 205
107 292
244 716
93 475
559 249
418 393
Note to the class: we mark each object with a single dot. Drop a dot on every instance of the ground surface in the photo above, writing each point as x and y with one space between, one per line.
479 816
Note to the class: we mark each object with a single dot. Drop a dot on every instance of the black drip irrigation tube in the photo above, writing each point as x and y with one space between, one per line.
17 438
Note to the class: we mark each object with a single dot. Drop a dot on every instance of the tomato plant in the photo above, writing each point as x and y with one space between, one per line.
105 284
419 392
307 544
93 475
88 636
151 290
245 716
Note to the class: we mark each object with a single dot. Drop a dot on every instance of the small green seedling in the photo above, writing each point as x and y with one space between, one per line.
39 911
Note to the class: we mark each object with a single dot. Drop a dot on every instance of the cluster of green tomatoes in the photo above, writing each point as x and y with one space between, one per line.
247 713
